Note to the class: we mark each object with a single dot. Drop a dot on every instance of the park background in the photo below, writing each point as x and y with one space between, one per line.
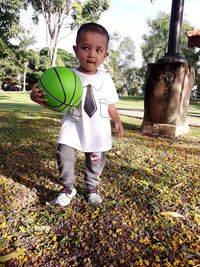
150 215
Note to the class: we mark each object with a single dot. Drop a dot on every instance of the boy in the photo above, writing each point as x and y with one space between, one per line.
87 128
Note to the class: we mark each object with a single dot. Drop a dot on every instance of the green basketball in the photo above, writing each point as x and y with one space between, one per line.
63 88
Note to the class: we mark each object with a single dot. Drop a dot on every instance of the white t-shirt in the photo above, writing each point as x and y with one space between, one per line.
90 134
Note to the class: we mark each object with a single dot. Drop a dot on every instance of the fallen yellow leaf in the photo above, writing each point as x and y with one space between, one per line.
12 255
172 213
178 185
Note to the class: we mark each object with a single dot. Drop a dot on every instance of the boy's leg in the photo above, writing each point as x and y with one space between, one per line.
66 160
94 164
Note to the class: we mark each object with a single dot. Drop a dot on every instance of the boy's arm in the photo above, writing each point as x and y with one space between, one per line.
115 117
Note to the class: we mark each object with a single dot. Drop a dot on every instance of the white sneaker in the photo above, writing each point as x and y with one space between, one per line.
64 197
93 195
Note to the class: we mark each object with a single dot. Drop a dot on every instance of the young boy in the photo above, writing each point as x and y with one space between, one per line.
87 128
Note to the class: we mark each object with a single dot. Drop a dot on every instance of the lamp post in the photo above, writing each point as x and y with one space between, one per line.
168 85
173 49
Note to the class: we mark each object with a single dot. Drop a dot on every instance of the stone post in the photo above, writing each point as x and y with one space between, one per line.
169 84
167 96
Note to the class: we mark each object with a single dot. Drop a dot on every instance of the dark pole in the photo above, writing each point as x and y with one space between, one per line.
172 54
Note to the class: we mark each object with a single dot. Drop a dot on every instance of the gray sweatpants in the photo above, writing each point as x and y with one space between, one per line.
66 158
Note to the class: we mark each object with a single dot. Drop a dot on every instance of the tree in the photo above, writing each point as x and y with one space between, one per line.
39 62
9 22
126 56
57 12
9 28
155 43
10 17
34 69
89 10
64 58
120 61
134 81
23 54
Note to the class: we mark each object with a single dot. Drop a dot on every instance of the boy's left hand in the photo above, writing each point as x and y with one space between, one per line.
119 129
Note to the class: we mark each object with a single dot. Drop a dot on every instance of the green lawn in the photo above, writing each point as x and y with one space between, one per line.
150 188
131 102
138 103
125 102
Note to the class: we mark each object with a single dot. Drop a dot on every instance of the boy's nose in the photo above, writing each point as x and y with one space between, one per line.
92 53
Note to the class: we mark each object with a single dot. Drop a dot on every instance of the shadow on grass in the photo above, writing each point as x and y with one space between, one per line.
28 142
27 150
130 123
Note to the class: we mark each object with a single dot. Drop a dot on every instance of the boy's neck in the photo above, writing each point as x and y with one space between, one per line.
85 72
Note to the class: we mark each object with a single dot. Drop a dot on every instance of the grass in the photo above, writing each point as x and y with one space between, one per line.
129 102
126 102
150 185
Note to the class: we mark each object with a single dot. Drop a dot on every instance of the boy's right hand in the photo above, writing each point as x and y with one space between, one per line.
37 95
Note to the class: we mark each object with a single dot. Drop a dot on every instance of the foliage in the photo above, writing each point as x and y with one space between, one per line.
9 18
120 64
9 27
32 62
134 81
155 43
8 68
150 214
88 11
14 58
56 13
64 58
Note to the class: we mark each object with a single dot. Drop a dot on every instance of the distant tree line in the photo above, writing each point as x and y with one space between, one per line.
22 66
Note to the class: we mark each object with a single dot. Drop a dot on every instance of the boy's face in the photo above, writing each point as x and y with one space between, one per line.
91 51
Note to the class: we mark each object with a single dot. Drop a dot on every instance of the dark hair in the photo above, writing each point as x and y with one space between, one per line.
91 27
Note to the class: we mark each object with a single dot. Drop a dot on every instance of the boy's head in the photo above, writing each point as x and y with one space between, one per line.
91 27
91 47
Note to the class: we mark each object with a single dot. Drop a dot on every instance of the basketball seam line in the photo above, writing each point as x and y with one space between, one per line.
60 83
74 91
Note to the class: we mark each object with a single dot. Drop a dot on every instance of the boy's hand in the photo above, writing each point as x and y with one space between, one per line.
119 129
37 95
115 117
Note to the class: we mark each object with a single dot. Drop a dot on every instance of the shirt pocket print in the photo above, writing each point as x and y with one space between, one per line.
104 108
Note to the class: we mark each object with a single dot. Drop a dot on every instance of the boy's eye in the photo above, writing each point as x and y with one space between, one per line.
99 50
85 48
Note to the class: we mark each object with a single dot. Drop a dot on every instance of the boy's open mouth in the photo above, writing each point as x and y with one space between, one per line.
90 62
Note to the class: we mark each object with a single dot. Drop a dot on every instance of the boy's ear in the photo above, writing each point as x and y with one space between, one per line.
106 55
75 49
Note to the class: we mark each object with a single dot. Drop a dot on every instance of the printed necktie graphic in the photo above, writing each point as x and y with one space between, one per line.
90 106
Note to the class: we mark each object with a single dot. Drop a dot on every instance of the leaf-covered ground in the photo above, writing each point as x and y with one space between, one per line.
150 215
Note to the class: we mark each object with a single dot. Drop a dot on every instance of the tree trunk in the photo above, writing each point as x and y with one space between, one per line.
24 76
